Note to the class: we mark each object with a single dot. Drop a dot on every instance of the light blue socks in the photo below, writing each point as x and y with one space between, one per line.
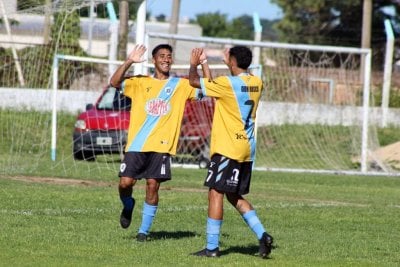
148 214
254 223
213 229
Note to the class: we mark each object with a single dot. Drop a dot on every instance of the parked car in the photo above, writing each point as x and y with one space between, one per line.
102 129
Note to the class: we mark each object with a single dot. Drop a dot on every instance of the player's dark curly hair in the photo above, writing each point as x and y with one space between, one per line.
243 56
161 46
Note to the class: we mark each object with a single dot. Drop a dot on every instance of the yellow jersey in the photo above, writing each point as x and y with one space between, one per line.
156 112
233 127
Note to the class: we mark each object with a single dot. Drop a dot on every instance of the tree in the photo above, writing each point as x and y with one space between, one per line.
335 22
65 34
66 29
213 24
241 28
26 4
217 25
101 9
123 29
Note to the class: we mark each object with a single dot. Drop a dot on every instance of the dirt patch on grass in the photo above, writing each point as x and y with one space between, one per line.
60 181
389 154
77 182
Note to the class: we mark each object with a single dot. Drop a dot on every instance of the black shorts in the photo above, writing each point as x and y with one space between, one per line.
228 175
138 165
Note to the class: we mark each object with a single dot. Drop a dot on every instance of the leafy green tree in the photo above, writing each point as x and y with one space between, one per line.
64 39
335 22
36 61
66 30
241 28
213 24
25 4
216 25
101 9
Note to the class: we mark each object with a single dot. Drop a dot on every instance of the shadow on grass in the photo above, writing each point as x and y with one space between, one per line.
249 250
171 235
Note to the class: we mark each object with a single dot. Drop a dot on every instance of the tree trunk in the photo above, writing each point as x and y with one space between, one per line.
123 29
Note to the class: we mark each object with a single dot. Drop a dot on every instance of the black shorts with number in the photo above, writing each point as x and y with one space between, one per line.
228 175
138 165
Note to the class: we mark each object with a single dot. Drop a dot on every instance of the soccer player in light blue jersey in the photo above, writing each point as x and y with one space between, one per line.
158 103
233 144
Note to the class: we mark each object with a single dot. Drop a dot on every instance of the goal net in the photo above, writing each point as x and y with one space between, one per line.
315 115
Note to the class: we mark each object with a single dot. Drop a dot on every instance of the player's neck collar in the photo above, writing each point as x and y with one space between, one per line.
244 74
154 77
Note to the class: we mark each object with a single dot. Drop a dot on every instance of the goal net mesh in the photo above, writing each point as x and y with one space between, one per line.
310 117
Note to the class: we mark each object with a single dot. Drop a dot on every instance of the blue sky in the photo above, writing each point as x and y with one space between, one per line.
232 8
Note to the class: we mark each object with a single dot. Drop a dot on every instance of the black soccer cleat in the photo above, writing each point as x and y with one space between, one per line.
126 216
265 245
207 253
141 237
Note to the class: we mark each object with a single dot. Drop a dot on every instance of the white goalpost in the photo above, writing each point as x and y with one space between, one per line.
365 53
144 68
316 114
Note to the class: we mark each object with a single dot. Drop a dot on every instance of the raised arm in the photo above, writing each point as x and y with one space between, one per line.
204 65
136 56
198 57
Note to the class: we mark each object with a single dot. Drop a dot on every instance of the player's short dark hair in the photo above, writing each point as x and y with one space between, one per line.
243 56
161 46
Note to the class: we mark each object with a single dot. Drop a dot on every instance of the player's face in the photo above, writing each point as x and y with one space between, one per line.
162 61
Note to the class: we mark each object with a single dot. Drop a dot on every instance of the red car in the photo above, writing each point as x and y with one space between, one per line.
102 129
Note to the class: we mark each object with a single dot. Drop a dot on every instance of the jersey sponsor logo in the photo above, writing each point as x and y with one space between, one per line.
249 88
157 107
240 136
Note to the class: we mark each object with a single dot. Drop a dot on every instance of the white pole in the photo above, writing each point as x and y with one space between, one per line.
365 123
257 38
387 74
14 52
140 32
145 71
91 22
54 109
256 61
112 53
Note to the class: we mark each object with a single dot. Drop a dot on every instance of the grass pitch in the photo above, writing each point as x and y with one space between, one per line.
316 220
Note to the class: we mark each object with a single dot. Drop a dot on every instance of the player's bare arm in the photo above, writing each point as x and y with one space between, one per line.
135 56
204 65
194 77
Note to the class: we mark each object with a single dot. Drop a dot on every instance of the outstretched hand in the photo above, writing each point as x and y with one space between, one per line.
197 56
136 56
203 56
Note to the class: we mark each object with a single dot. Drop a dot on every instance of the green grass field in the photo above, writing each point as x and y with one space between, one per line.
316 220
26 139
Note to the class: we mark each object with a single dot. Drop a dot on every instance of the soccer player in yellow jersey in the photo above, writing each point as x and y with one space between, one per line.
158 104
233 143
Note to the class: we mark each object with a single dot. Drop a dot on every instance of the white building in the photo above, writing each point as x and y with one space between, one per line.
29 31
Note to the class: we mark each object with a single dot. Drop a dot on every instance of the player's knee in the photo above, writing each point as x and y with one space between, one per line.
152 186
126 183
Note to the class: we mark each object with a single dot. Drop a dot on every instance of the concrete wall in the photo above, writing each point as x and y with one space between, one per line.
269 113
41 99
